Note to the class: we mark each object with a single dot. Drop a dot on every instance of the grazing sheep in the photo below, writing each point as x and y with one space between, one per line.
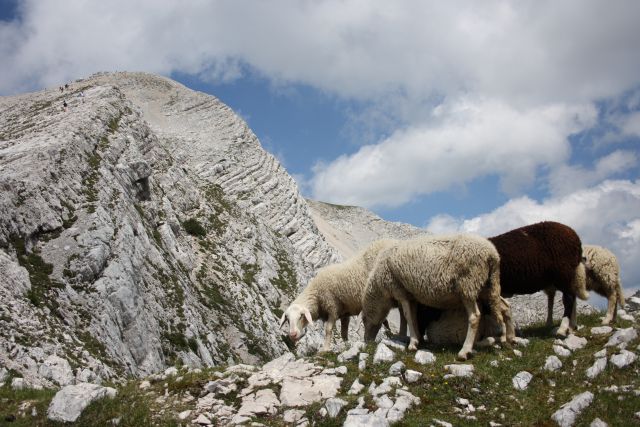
603 277
440 272
334 293
542 256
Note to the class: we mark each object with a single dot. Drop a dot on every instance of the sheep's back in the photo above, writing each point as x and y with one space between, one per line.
344 283
536 256
438 271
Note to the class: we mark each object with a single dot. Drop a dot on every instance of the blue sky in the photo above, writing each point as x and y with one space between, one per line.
455 116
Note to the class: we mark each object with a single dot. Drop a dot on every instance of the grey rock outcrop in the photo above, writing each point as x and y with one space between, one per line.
143 226
67 405
567 414
57 370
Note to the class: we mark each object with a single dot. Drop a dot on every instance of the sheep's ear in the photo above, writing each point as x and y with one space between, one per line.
307 315
283 319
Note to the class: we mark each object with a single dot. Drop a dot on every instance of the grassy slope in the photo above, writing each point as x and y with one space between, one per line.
493 384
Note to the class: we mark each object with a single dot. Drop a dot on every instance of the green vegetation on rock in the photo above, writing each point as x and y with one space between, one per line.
287 280
194 228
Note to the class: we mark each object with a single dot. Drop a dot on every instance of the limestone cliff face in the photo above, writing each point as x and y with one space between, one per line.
142 227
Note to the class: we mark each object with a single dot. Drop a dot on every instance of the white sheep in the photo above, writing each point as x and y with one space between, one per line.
602 277
441 272
334 293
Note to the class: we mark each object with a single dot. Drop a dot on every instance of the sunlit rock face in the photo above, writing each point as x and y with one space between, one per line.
141 226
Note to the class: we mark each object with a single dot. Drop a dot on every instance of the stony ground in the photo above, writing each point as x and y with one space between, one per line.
540 380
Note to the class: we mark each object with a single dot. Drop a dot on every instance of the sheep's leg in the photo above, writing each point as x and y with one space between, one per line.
403 323
344 328
473 317
328 331
551 294
508 320
573 324
409 309
611 309
569 302
508 329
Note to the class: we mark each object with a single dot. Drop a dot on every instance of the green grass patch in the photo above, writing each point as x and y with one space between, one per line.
194 228
249 272
287 280
131 407
17 405
114 123
91 180
93 346
39 275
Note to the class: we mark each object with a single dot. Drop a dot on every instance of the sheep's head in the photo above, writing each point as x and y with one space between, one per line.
298 317
371 326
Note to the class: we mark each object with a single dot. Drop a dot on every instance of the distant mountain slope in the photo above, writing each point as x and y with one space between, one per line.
350 228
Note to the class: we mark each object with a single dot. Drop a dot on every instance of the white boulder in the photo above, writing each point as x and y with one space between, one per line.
383 354
521 380
68 404
561 351
397 368
334 405
459 370
567 414
412 376
597 368
622 336
424 357
552 363
573 342
601 330
623 359
352 352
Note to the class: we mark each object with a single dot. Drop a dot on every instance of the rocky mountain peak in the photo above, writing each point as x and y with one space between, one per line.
142 225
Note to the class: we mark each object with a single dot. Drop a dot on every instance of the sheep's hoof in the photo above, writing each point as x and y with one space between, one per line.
463 356
412 347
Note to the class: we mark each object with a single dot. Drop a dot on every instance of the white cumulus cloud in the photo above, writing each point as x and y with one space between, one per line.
567 179
461 142
524 52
